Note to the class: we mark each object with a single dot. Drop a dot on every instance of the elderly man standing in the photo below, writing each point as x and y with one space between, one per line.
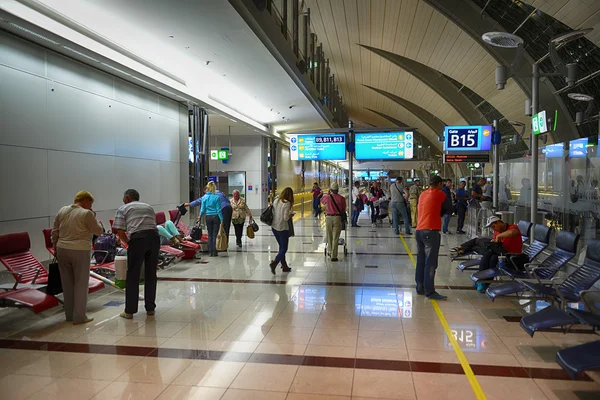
135 223
335 206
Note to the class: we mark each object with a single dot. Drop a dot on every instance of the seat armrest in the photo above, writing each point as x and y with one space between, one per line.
15 275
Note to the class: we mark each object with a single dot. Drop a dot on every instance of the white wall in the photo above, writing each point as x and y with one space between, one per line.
65 127
249 154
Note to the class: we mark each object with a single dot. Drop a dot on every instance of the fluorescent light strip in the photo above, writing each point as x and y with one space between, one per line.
115 69
80 54
32 33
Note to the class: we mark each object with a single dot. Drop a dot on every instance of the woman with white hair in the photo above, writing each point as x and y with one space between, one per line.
72 233
240 210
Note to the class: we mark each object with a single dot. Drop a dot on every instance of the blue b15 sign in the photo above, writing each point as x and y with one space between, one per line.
468 138
384 146
318 147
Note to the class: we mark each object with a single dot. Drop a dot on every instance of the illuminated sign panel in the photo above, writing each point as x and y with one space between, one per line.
328 147
384 146
468 138
554 150
466 158
538 123
578 148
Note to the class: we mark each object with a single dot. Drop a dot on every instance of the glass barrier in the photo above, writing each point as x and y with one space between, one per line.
568 189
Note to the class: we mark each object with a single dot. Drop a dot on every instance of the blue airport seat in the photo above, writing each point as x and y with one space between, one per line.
566 243
541 241
549 317
584 357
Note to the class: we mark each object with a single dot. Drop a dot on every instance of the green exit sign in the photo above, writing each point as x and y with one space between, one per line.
539 123
219 154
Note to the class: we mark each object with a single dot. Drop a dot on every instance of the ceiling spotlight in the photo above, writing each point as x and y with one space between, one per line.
569 36
502 39
580 97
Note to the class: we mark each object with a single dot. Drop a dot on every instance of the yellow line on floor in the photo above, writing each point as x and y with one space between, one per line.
410 255
459 353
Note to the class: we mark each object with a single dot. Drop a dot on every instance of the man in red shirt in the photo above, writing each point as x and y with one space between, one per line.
433 203
509 236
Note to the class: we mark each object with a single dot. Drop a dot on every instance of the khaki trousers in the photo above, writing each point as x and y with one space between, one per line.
74 267
413 212
333 228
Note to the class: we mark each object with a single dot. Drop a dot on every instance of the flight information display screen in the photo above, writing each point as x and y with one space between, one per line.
384 146
329 147
468 138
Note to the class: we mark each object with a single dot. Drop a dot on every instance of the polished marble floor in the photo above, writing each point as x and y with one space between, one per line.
226 328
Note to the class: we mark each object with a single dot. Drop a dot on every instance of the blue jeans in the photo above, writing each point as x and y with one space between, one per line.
283 239
399 208
446 222
428 249
316 204
355 215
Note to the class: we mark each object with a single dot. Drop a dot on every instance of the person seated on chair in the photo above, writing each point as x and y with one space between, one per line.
480 245
169 234
507 239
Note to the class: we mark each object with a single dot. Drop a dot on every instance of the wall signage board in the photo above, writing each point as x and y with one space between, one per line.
466 158
578 148
538 123
554 150
329 147
384 146
468 138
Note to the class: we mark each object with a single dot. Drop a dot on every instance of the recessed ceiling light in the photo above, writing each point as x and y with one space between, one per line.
172 37
502 39
580 97
569 36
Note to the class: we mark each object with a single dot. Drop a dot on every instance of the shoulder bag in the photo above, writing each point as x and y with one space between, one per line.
343 214
267 216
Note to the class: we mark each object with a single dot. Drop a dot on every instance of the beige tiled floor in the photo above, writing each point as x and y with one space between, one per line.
296 318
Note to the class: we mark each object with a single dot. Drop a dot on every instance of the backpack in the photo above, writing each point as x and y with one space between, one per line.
107 242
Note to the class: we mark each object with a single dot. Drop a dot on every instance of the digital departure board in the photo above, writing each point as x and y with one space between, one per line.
466 158
330 147
384 146
468 138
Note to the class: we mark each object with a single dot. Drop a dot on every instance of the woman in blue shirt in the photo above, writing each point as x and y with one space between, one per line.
211 207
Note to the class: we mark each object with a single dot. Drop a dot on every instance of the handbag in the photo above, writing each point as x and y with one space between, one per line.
250 232
267 216
221 239
291 227
343 214
196 233
54 283
252 223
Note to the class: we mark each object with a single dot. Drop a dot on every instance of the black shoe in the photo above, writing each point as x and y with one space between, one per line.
408 234
239 244
273 265
285 268
420 290
334 259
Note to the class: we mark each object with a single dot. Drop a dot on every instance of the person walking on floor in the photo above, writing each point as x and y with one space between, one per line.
211 207
227 212
446 185
240 210
72 233
135 223
282 217
335 206
358 206
461 206
413 197
317 194
433 203
398 194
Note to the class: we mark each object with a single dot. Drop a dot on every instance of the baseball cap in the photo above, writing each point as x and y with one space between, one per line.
334 186
491 220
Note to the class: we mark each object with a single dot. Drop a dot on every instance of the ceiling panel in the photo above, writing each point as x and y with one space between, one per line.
576 14
413 29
